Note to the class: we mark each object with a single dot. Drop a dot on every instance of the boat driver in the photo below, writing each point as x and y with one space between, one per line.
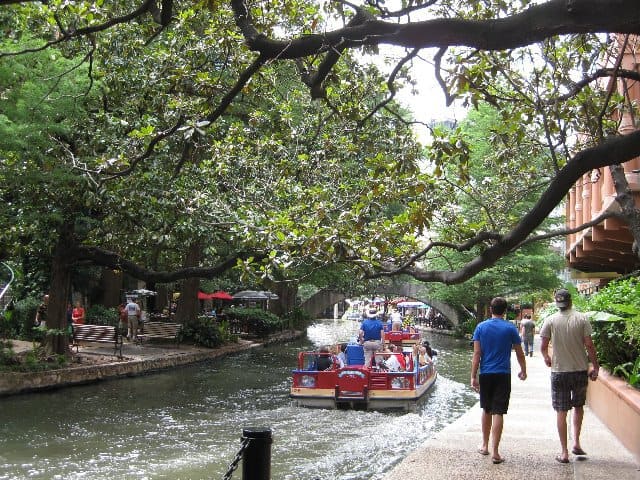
371 335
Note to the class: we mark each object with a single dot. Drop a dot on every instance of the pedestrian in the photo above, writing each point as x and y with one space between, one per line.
41 313
123 319
493 340
371 335
78 314
569 331
133 315
527 331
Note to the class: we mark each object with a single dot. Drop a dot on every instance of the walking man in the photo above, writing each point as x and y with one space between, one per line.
569 332
527 331
133 315
493 340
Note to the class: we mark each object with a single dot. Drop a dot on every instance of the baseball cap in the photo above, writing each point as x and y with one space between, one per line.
562 298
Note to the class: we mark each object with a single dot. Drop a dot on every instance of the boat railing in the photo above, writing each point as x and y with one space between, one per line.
308 361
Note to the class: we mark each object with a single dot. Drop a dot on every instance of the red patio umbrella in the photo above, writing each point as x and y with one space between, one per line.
204 296
220 295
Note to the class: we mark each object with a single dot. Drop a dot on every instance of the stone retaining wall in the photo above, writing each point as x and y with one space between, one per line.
617 405
152 359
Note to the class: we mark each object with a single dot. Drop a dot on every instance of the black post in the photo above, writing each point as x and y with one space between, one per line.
256 459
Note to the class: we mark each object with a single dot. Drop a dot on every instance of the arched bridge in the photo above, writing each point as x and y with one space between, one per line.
317 304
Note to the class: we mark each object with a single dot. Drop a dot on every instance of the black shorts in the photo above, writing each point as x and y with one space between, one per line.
495 390
568 390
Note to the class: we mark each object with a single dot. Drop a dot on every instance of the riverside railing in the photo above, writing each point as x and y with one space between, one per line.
6 287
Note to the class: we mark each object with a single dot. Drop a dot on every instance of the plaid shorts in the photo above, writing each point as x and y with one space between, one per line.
568 390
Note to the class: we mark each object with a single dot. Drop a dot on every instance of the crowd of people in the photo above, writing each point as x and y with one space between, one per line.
377 354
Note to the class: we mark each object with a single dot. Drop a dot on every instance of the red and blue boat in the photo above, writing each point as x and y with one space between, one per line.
359 386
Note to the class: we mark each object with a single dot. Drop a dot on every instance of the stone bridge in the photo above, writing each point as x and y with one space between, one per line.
317 305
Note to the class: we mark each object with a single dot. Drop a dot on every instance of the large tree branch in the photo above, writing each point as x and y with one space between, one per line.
552 18
106 258
614 150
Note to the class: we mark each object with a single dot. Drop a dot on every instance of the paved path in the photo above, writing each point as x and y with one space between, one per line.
529 443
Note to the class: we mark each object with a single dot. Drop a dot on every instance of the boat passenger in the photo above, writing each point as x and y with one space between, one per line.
341 355
396 321
392 360
371 335
424 357
324 362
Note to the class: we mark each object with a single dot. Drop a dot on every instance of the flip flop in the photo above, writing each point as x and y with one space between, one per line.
578 451
496 461
483 452
562 460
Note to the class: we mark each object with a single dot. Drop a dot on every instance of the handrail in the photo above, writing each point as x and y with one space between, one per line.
6 287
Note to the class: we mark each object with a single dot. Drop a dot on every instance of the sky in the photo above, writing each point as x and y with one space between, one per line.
429 104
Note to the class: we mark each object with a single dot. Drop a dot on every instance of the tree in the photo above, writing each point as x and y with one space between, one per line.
536 63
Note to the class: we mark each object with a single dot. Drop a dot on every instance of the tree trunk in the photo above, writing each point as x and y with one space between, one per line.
59 296
625 199
188 307
287 293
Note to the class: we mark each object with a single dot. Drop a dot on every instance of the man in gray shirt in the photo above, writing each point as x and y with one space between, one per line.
569 332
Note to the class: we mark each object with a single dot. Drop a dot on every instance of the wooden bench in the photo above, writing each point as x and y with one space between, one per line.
98 333
164 330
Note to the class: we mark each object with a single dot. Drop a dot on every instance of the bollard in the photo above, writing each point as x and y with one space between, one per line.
256 459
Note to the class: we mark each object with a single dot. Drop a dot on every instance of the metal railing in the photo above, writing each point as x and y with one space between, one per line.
6 287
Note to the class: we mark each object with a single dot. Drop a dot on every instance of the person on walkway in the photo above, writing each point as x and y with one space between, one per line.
133 315
78 313
41 313
493 340
371 335
527 331
569 331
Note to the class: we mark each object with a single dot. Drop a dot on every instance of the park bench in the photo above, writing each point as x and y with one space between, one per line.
162 330
98 333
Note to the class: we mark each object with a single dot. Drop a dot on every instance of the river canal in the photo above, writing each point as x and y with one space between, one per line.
186 423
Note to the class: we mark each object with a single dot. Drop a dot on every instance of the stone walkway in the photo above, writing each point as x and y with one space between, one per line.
529 443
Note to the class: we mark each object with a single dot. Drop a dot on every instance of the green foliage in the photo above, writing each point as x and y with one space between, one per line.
101 315
630 371
260 322
34 360
207 332
618 342
297 318
24 318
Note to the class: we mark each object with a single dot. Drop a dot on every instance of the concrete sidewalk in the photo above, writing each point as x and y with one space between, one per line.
529 442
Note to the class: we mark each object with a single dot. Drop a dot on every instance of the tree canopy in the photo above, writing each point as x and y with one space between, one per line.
256 123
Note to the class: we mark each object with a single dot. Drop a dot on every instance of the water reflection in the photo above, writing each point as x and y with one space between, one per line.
186 423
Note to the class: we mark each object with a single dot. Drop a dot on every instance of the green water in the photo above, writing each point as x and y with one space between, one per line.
187 423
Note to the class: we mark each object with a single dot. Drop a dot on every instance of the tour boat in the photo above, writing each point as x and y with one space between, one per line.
358 386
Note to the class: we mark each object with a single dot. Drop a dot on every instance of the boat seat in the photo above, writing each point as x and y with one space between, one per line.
355 355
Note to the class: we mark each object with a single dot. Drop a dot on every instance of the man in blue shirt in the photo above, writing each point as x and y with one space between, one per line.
493 340
370 335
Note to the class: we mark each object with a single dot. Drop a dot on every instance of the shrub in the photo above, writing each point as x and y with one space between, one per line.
23 318
101 315
258 321
207 332
297 318
618 343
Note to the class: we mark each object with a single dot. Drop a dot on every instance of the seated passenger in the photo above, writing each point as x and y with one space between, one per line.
341 355
391 361
424 357
324 362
